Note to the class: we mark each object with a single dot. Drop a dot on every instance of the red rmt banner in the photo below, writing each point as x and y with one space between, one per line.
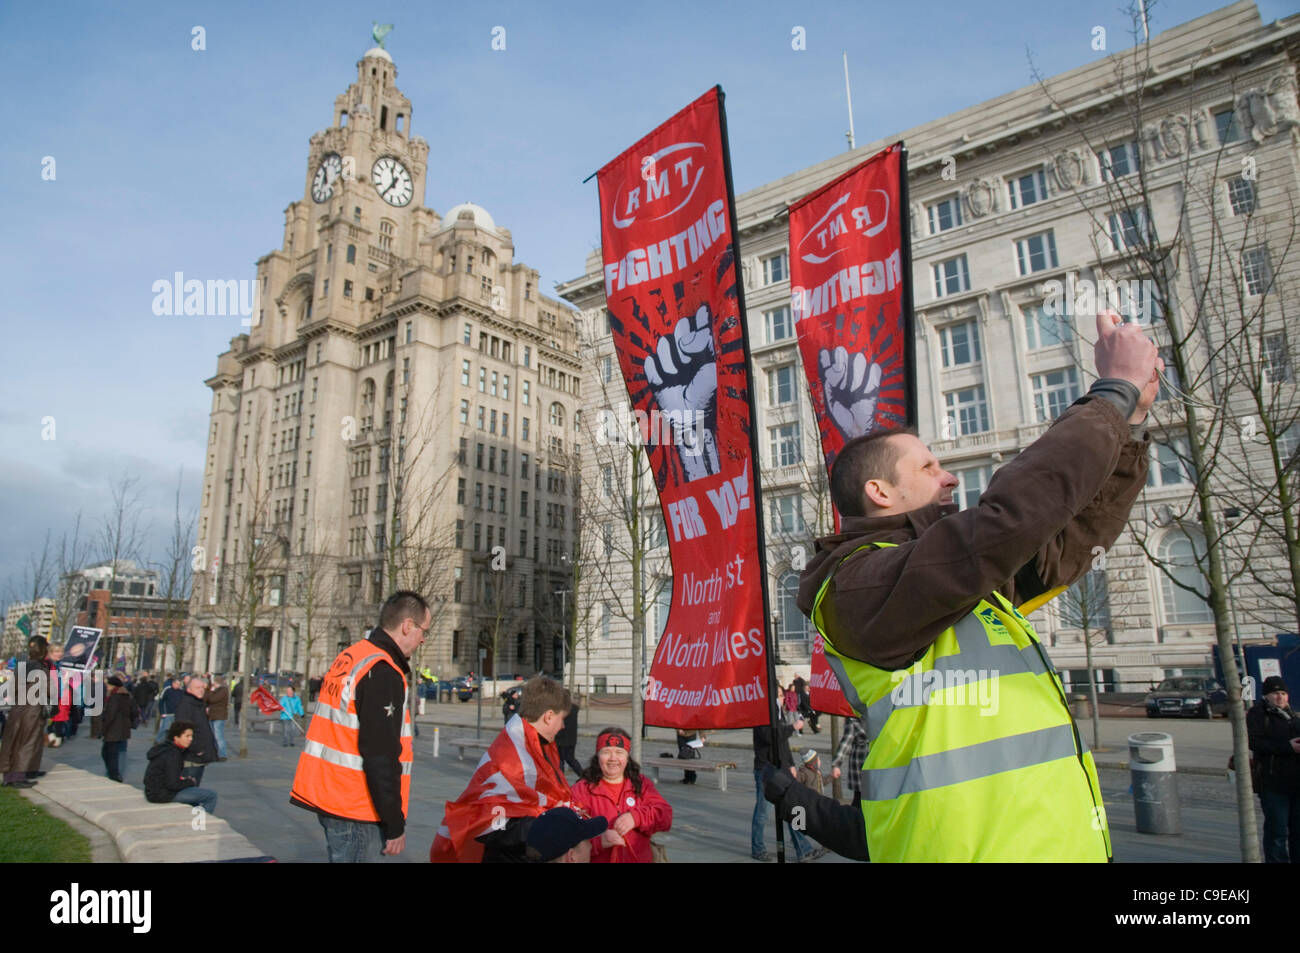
669 259
849 281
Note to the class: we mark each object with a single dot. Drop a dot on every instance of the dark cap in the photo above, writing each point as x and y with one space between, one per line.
115 681
560 830
1274 683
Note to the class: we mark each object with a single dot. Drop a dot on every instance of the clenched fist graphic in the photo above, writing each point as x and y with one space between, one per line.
851 388
683 374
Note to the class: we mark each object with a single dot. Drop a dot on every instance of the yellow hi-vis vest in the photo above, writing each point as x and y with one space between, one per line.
974 755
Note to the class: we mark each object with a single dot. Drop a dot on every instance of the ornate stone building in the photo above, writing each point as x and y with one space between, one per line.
399 415
1017 204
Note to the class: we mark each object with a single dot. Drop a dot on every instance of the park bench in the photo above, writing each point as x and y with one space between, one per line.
678 764
473 744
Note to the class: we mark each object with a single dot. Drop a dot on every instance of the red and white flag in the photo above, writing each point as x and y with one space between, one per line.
669 255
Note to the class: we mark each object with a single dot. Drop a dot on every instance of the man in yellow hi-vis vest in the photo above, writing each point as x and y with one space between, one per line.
973 753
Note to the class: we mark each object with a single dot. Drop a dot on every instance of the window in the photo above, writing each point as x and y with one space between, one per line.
505 386
464 411
951 276
780 385
1288 441
606 369
1053 392
492 387
1241 195
464 373
492 422
786 445
557 414
505 424
482 413
1225 123
1171 464
1179 553
528 357
527 395
463 451
523 429
1036 252
410 331
482 380
793 625
469 333
347 288
944 214
663 604
774 268
1129 229
1028 188
386 235
523 466
971 483
1275 358
960 344
967 410
406 370
778 324
786 514
1045 330
1256 270
1118 161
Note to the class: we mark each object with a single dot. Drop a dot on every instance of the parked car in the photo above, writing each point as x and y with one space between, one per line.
1195 696
460 686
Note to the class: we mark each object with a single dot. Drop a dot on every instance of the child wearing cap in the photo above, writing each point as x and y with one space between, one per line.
810 771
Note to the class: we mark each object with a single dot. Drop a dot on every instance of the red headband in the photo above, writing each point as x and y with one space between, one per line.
611 740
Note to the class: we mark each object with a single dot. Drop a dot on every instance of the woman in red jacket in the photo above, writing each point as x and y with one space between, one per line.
612 787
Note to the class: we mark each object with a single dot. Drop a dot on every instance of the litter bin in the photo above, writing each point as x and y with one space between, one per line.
1079 706
1155 783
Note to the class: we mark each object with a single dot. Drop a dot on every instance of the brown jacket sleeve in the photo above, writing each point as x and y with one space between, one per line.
1068 491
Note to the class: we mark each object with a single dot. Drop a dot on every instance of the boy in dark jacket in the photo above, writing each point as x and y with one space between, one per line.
1274 733
165 779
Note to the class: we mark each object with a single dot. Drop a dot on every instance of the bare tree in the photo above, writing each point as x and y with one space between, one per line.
176 580
1170 224
121 538
316 591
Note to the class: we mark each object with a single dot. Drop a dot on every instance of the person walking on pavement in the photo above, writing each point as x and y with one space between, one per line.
566 740
1274 733
804 704
23 743
218 700
121 714
290 708
192 708
689 743
146 690
803 849
849 757
355 769
167 708
912 596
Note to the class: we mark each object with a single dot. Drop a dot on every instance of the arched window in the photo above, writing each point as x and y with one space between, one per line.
557 414
793 625
368 394
663 602
352 254
1178 553
343 119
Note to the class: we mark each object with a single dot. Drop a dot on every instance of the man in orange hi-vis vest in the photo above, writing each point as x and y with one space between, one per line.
355 769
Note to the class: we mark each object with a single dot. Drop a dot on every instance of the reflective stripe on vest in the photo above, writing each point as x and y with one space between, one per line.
973 753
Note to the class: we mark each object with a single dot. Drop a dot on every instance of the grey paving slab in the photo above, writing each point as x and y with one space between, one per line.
710 826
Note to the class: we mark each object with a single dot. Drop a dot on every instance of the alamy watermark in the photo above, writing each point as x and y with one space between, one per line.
1133 300
976 688
687 430
40 686
179 295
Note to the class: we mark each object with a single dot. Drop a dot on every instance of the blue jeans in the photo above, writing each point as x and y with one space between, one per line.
202 797
219 733
287 731
164 723
1281 827
351 842
757 828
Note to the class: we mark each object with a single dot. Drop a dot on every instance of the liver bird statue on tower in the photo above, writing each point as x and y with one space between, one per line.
379 31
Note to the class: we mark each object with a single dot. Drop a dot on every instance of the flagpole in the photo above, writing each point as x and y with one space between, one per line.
773 714
909 310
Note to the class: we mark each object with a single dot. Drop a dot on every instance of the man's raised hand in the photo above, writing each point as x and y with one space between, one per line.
1125 352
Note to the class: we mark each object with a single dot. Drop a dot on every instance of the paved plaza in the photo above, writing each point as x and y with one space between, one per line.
709 826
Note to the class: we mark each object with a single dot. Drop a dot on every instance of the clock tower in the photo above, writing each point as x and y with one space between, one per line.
400 413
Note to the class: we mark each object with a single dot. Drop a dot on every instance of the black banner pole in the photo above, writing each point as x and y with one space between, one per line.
773 712
909 313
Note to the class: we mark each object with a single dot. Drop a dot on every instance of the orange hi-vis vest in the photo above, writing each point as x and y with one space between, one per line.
329 776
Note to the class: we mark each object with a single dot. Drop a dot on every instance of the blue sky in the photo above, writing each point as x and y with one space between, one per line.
170 159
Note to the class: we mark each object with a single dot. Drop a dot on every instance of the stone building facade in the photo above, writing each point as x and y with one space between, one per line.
399 415
1016 204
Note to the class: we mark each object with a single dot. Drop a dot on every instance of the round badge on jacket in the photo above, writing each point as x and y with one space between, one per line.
631 801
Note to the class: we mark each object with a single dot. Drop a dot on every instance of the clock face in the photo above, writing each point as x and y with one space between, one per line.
392 181
322 184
